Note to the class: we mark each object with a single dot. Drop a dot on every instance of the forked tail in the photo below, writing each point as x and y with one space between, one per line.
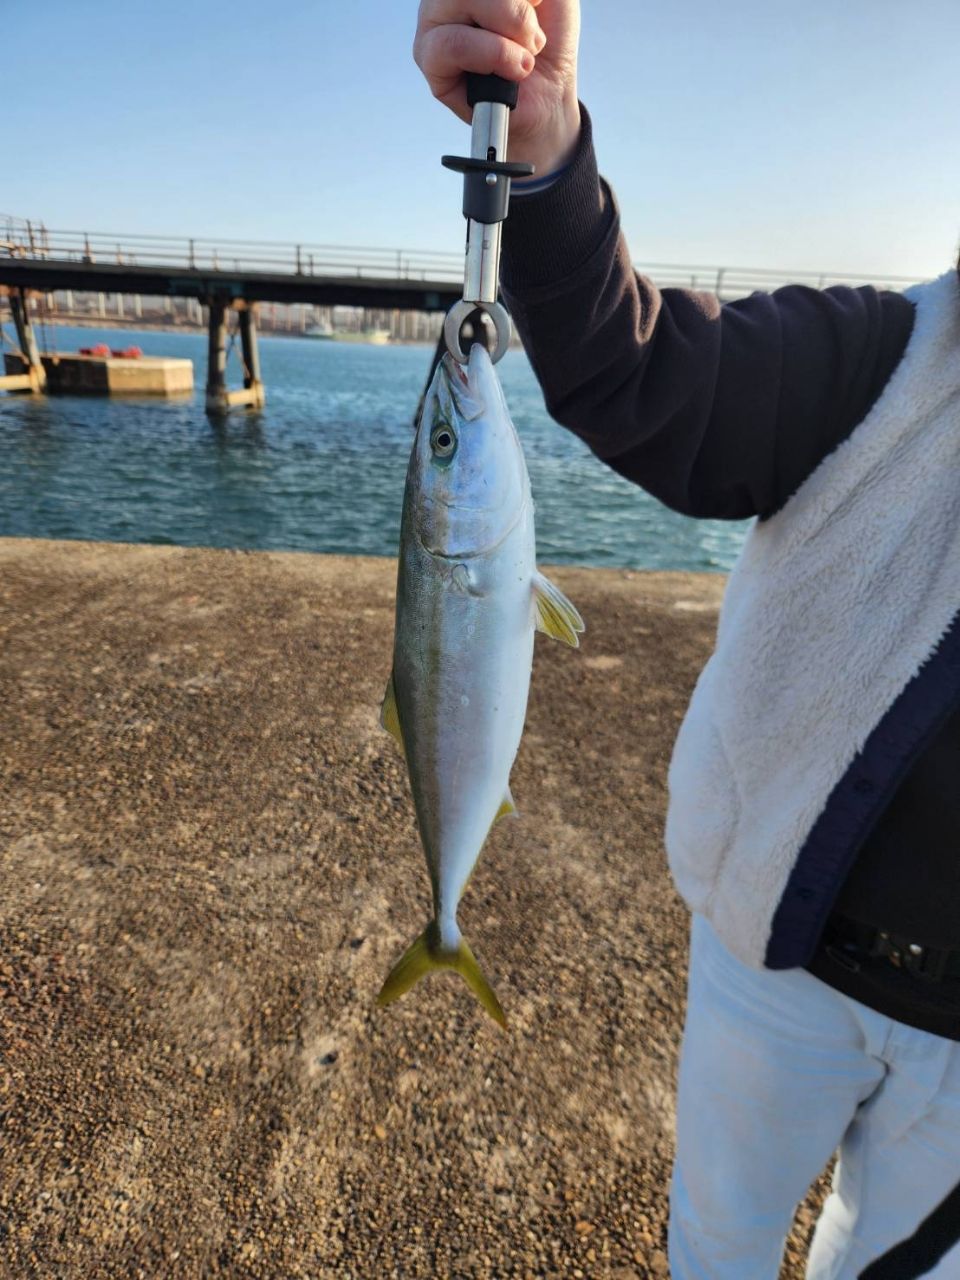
426 955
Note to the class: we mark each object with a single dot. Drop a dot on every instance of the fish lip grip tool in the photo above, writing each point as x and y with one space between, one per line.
486 196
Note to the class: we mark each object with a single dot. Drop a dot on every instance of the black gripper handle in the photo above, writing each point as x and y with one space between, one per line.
485 192
491 89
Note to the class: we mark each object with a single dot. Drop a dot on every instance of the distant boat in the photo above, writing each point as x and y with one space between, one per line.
378 337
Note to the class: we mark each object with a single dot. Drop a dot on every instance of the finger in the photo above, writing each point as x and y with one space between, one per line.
444 53
514 19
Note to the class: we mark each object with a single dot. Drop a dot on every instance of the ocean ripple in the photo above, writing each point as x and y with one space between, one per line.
321 468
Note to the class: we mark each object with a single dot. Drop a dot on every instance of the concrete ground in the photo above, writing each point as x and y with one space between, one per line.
209 862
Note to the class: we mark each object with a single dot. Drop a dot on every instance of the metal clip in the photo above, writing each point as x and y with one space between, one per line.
486 195
456 316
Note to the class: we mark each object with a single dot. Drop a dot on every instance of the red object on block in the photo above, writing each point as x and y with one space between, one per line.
128 353
101 349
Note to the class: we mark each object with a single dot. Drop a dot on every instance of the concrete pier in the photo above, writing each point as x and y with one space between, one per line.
29 373
252 381
219 399
72 374
232 275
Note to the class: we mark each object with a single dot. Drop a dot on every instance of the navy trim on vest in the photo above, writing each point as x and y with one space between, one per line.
858 800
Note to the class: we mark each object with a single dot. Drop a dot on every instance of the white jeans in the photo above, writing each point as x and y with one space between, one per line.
777 1070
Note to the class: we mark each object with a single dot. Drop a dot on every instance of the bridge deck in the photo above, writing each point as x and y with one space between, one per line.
47 274
35 257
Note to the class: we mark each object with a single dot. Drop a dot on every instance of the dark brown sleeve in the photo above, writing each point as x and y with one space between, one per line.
718 411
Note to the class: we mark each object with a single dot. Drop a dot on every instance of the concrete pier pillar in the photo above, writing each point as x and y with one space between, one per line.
28 342
216 400
252 381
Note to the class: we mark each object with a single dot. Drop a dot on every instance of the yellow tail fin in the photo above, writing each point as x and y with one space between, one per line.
426 956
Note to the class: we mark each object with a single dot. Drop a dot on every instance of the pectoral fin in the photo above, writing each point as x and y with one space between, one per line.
389 715
555 615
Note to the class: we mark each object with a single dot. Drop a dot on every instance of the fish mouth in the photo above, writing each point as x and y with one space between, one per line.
468 403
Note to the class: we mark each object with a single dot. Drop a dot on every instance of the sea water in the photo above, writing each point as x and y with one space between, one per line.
320 468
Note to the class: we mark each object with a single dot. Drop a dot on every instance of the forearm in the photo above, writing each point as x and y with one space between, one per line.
716 411
616 366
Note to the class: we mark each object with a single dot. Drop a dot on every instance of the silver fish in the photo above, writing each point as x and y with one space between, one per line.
469 599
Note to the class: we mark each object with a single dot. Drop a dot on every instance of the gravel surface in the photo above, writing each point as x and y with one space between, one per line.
209 863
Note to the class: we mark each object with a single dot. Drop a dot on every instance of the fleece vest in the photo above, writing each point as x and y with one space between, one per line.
837 658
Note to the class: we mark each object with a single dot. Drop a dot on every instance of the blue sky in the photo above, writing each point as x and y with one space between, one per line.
818 136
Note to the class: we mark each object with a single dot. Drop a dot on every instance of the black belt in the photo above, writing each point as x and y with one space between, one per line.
851 943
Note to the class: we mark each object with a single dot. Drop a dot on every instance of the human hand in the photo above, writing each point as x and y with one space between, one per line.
533 42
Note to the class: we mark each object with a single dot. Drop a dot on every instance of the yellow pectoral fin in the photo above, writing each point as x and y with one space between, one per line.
555 615
389 715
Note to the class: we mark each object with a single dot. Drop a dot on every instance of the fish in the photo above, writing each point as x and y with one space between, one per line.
469 600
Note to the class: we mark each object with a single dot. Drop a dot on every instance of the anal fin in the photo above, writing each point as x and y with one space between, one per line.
389 715
507 809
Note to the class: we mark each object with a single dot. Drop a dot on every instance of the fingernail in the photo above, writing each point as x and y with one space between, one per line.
539 40
527 62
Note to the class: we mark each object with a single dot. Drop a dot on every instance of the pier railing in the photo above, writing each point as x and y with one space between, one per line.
20 238
239 257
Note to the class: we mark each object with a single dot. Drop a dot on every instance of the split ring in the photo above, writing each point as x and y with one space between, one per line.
459 312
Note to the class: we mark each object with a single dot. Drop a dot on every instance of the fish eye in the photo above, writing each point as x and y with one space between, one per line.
443 440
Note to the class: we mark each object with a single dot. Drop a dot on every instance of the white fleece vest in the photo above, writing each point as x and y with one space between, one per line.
832 608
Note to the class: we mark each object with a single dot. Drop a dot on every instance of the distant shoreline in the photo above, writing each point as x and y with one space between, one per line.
158 326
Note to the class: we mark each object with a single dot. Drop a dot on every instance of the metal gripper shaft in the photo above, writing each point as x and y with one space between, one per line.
489 142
